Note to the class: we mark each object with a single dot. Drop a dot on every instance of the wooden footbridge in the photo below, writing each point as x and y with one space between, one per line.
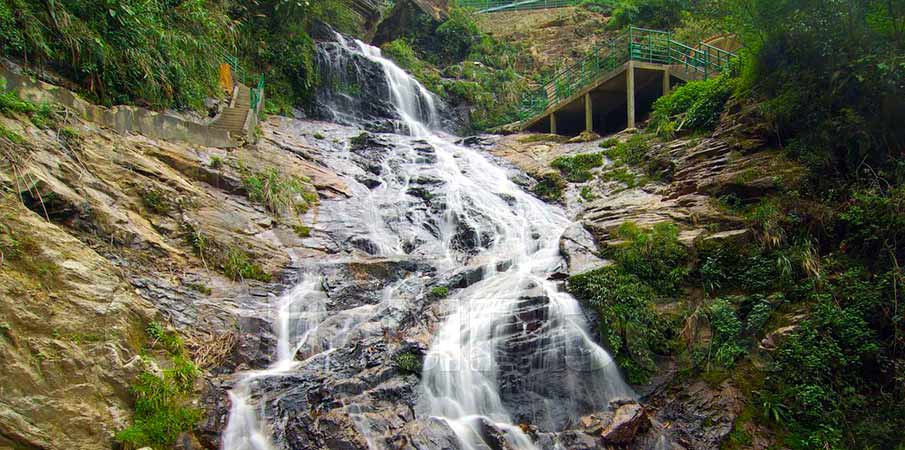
607 89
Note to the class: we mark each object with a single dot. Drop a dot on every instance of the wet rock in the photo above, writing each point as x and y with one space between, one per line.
579 250
627 422
369 182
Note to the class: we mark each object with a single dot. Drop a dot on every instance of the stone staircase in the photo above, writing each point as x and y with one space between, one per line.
232 119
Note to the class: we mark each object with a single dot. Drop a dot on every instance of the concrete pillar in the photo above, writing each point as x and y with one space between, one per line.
630 93
666 88
552 123
588 114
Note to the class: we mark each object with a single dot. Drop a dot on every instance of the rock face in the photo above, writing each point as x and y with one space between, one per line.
77 290
69 328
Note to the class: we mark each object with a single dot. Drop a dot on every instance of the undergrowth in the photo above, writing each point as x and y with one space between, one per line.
161 400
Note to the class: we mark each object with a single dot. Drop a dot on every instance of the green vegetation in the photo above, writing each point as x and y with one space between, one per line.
156 201
694 106
238 265
230 260
199 287
656 14
623 175
302 231
11 135
165 54
409 363
587 194
280 194
439 292
41 115
460 63
632 151
649 267
216 162
22 253
161 411
577 168
549 187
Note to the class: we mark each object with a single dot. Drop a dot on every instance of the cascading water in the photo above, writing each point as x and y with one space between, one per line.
512 348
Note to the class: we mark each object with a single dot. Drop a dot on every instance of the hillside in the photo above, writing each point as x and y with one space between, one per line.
363 264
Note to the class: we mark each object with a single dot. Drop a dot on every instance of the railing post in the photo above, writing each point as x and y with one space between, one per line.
630 94
706 62
588 114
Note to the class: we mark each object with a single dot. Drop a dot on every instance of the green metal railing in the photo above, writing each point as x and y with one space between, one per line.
256 84
487 6
635 44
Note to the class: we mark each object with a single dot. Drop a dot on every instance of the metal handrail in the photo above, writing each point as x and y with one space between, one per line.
635 44
488 6
243 76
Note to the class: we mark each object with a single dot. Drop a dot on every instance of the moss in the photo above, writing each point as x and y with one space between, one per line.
609 143
587 194
199 287
319 136
542 138
22 252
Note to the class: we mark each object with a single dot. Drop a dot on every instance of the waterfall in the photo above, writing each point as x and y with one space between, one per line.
513 348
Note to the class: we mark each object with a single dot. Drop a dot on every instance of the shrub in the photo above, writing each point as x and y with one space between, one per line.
629 326
587 194
161 414
549 187
439 291
237 264
650 265
658 14
725 347
155 201
655 256
458 36
278 193
633 151
694 106
577 168
408 362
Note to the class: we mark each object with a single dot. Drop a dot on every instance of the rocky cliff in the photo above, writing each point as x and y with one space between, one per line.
103 233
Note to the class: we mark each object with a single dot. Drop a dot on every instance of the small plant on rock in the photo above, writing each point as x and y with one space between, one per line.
439 292
408 362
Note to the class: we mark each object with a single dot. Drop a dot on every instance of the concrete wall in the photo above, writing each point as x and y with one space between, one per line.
123 119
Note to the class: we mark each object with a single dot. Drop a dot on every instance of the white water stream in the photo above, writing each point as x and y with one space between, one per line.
464 380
